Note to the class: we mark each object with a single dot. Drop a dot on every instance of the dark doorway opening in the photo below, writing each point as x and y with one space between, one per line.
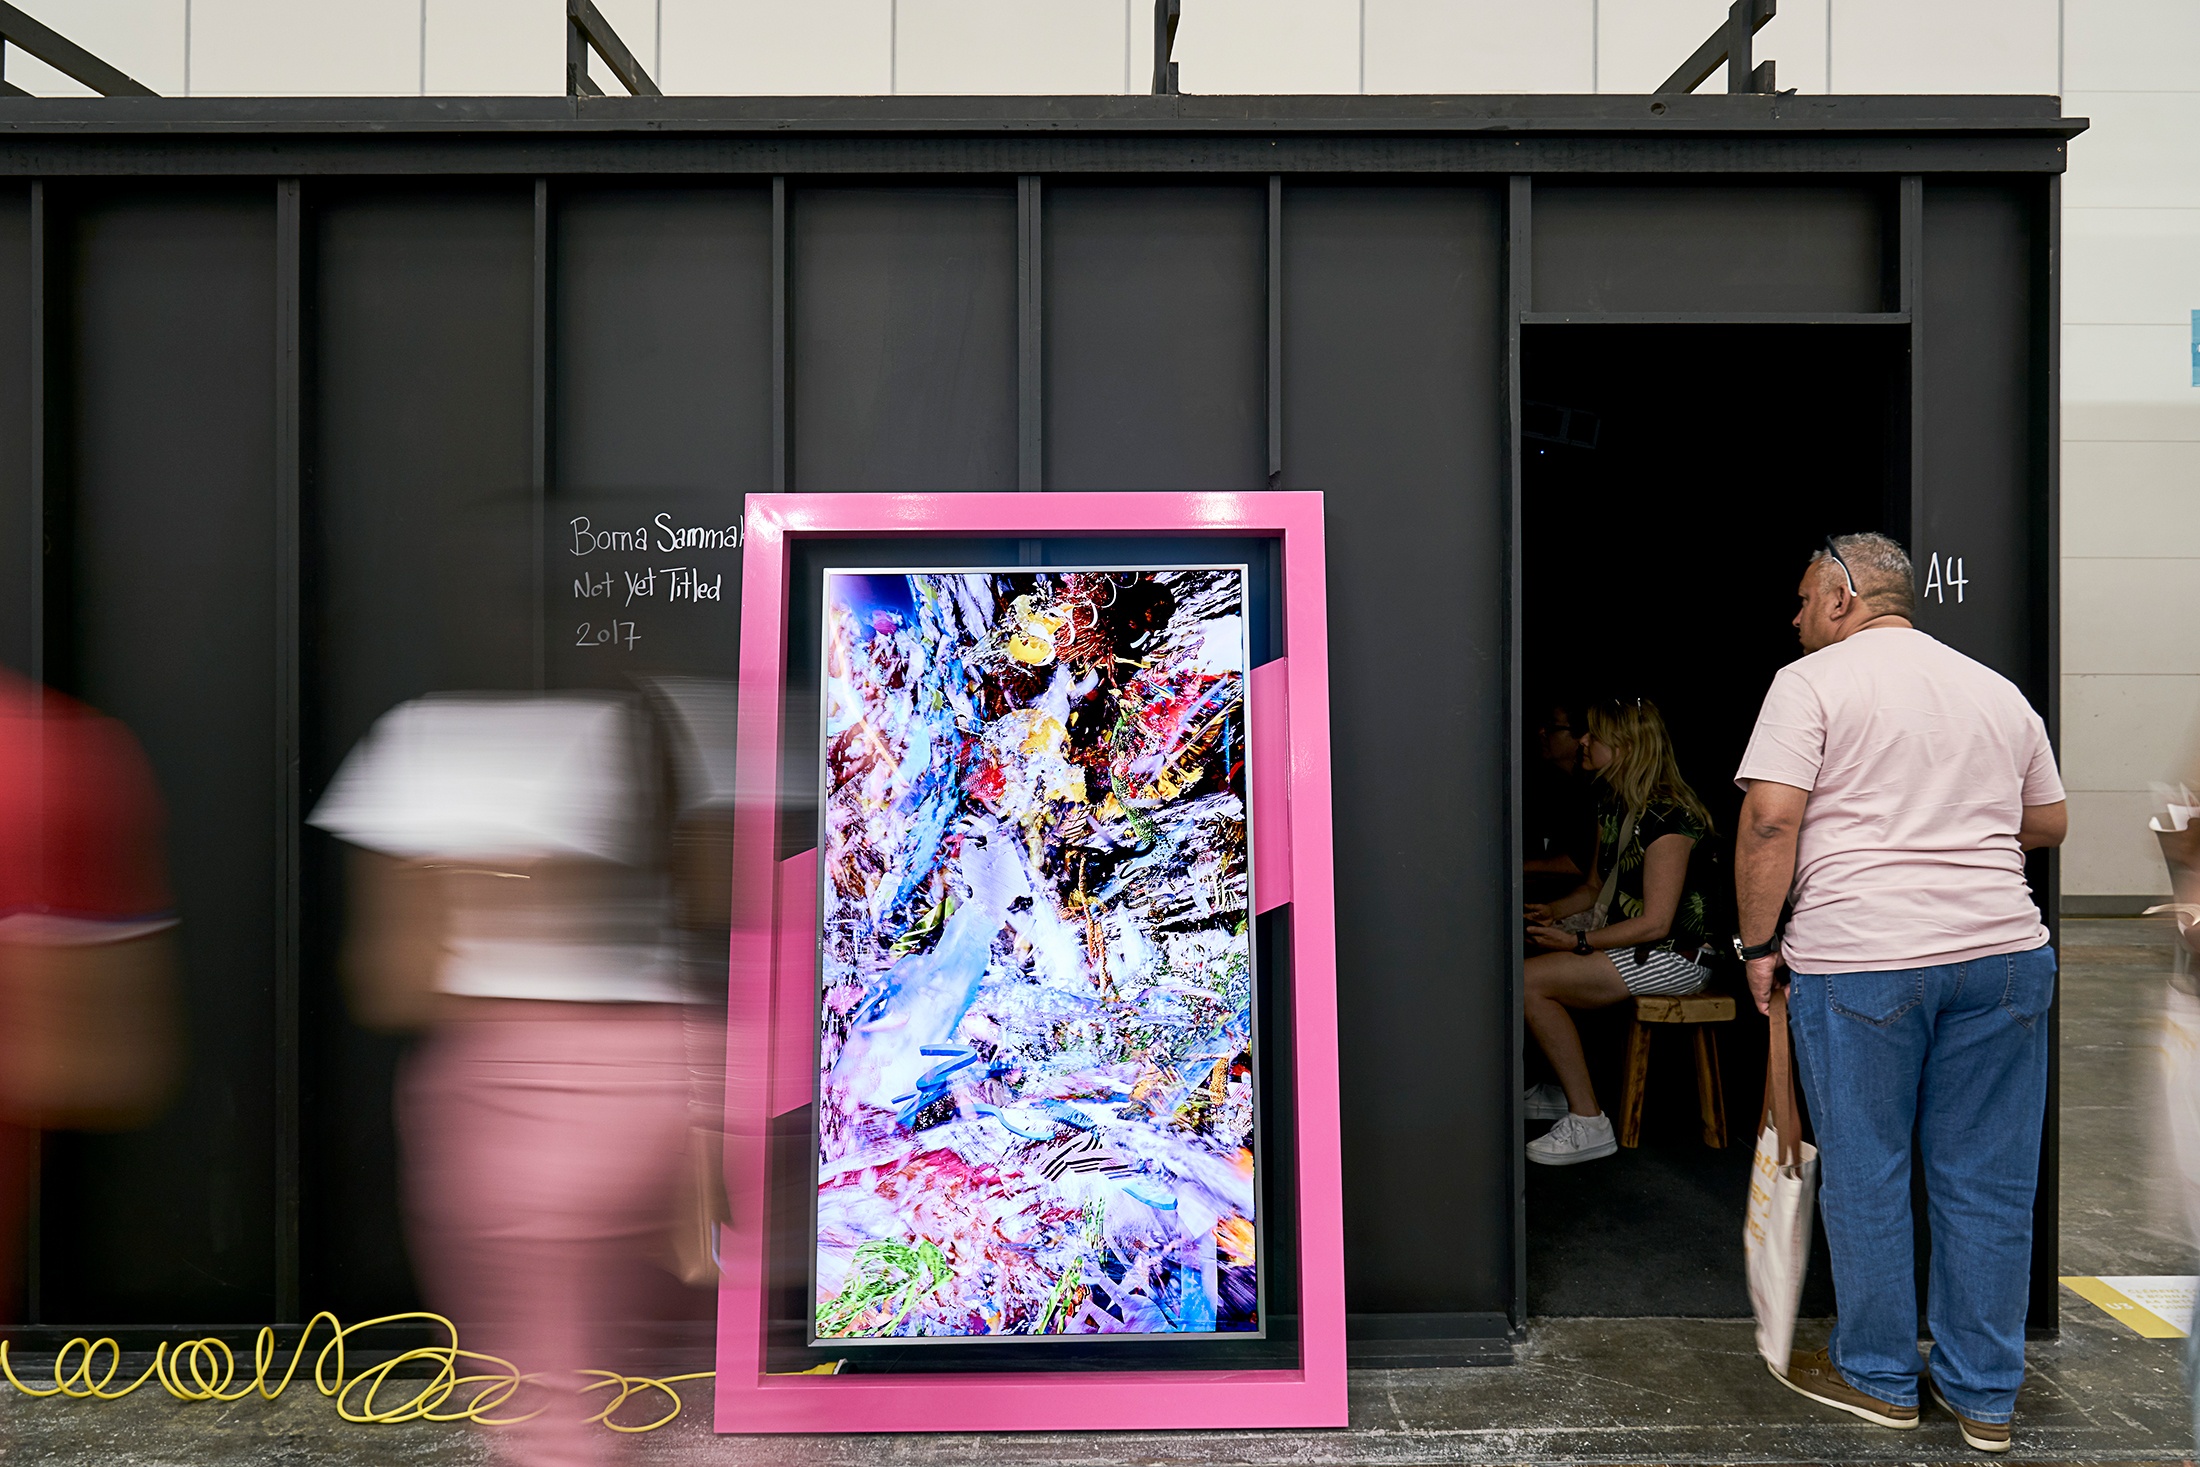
1676 479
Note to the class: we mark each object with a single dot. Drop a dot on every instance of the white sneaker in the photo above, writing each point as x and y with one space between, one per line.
1574 1138
1543 1103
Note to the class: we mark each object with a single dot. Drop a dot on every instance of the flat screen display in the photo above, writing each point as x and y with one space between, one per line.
1036 1082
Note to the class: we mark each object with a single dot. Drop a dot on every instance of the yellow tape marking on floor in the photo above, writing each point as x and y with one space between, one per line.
2135 1317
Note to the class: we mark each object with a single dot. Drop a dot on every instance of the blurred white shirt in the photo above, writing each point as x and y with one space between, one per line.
485 782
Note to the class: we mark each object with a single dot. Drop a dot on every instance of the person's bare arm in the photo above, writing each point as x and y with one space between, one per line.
393 945
702 869
1664 875
1764 871
90 1039
1580 899
2044 826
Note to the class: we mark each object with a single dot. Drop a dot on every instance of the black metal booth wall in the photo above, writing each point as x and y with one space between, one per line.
284 388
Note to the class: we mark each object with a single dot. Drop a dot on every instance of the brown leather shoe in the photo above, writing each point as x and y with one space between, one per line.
1812 1374
1987 1436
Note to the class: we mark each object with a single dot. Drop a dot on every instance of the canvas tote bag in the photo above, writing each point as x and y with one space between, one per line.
1782 1181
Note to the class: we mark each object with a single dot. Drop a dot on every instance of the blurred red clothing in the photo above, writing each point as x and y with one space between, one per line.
79 821
80 864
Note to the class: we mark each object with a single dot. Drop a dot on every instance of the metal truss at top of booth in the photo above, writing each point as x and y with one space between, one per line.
34 37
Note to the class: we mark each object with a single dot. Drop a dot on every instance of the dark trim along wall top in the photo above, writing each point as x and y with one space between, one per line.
1721 133
2109 906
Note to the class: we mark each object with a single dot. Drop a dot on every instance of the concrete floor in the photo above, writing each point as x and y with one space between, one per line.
1603 1390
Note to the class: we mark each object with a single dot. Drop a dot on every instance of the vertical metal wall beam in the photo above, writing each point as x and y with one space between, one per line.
34 1293
577 82
36 570
2046 1293
2048 413
1030 324
1166 14
1741 44
1912 224
539 466
1519 299
289 473
1275 330
782 438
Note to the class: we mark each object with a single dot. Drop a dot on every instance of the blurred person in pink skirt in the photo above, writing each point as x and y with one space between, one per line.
512 897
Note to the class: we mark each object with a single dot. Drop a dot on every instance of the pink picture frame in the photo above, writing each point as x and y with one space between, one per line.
771 983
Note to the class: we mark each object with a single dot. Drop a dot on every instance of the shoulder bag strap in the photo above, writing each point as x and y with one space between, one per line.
1780 1098
1603 908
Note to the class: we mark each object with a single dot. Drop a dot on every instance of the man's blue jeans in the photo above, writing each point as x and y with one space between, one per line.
1954 1056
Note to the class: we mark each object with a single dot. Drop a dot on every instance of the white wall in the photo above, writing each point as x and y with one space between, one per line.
2131 224
2131 429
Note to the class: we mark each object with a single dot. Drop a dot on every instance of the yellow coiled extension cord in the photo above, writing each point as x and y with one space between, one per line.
205 1370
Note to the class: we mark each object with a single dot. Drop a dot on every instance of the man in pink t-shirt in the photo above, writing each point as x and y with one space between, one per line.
1892 787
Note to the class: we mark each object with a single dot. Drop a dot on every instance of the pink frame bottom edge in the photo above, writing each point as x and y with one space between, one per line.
1093 1401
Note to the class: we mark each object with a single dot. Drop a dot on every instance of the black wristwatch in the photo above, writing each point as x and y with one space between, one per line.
1763 949
1581 945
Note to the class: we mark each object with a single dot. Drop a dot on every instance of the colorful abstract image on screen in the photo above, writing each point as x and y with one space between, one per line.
1036 1081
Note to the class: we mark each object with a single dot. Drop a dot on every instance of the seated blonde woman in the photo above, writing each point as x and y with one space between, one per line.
1651 938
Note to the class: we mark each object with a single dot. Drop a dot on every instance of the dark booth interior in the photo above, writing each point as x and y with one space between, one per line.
1676 479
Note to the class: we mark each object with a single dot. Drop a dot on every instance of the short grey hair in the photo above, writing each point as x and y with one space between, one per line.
1885 580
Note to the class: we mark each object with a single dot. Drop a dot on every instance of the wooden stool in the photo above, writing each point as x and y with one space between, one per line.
1697 1010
